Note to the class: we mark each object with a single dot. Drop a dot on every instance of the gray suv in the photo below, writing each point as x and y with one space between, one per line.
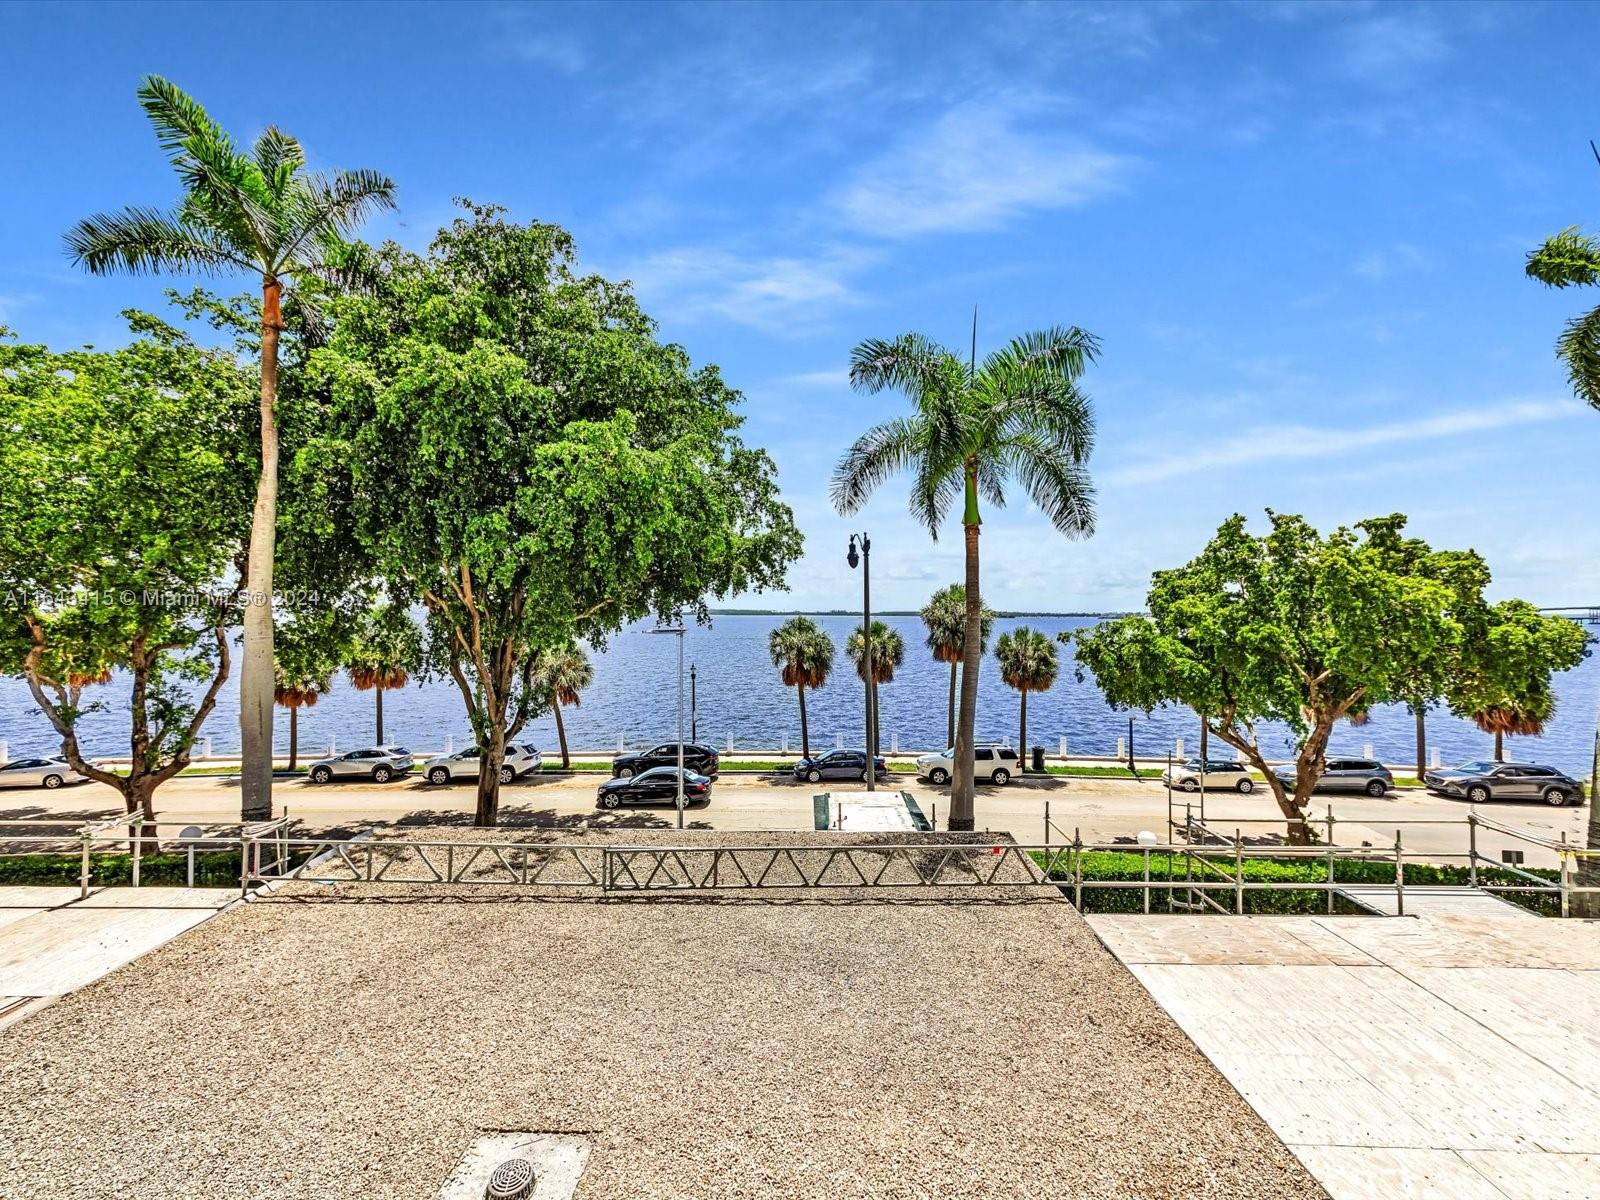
1483 781
1345 775
377 763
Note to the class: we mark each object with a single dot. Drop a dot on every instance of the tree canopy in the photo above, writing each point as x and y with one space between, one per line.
525 458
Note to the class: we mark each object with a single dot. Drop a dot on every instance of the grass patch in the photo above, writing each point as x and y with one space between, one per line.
1114 865
216 868
1103 772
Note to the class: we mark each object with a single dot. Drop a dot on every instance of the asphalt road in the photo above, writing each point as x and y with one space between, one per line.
1097 809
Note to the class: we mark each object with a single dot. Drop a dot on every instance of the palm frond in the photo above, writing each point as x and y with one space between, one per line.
876 455
1057 484
181 122
1579 348
1061 350
934 488
911 363
326 210
1570 259
1046 405
278 156
146 240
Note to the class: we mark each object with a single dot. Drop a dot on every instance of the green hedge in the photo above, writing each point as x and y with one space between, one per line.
215 868
1113 865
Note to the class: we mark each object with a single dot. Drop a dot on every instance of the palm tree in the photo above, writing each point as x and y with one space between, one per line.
264 214
1519 720
888 653
296 690
1572 259
804 653
1028 663
945 616
564 673
1018 414
387 649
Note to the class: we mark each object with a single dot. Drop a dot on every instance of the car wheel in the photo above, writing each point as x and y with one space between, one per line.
1189 785
381 774
53 781
863 775
1555 797
1001 777
813 776
1478 794
507 774
1245 786
609 801
624 773
321 775
1376 787
439 776
938 775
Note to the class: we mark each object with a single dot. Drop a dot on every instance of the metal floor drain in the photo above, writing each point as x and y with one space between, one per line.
519 1166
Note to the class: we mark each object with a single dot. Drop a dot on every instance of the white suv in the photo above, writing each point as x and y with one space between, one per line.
463 764
995 763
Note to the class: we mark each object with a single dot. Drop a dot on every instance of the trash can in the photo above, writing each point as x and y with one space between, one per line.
1038 759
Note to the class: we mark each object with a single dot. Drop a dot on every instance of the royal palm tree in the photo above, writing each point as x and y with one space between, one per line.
1028 663
387 649
296 690
1017 415
264 214
945 616
564 673
1572 259
804 654
888 653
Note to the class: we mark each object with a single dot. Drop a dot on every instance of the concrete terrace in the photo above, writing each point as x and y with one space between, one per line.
921 1043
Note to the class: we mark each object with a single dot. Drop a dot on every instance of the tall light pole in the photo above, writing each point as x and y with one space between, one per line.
865 560
678 630
694 710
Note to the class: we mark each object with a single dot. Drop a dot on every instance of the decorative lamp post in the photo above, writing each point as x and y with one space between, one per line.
864 560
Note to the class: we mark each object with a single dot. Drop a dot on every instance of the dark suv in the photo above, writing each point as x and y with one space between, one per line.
702 760
1483 781
1345 775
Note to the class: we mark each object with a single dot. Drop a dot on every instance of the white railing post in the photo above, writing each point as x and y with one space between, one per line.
730 743
1122 748
1177 750
1063 747
210 751
894 743
1366 750
622 744
838 741
785 746
1433 758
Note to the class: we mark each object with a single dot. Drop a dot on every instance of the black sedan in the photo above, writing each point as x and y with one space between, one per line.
837 764
658 785
700 759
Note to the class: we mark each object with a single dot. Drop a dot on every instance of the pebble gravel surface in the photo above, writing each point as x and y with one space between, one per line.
352 1041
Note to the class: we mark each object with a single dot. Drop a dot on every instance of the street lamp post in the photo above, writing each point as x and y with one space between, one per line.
678 630
865 559
694 721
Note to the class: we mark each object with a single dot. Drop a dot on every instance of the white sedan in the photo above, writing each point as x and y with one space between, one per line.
38 772
1220 775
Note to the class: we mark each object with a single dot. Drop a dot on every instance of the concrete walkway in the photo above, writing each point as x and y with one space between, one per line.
1449 1057
52 943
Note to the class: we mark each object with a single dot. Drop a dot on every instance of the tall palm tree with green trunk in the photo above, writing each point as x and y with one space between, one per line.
1028 663
888 654
945 616
1572 259
263 213
1019 414
804 654
564 674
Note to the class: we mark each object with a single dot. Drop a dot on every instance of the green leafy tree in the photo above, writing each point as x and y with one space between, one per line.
387 648
888 656
1505 685
945 617
804 654
1572 259
262 213
525 459
1028 663
1017 415
1290 626
564 673
122 516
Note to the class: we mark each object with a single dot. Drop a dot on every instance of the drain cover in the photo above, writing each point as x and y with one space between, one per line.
512 1180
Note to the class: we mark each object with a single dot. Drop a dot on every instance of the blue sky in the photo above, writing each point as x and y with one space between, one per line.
1298 230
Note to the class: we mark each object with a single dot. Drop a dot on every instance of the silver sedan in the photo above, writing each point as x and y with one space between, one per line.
38 772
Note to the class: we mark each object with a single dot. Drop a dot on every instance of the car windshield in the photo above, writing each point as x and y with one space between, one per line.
1477 768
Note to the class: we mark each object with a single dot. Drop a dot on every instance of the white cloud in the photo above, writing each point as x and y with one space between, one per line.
1280 443
980 165
777 294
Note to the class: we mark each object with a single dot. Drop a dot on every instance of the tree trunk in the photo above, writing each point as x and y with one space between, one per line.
1422 743
872 747
489 761
1587 904
805 732
379 690
1022 736
294 736
1499 746
962 792
950 716
561 736
255 671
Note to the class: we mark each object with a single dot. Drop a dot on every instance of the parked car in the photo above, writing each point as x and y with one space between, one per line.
658 785
38 772
1345 775
700 759
1483 781
463 764
995 763
377 763
1219 775
838 764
